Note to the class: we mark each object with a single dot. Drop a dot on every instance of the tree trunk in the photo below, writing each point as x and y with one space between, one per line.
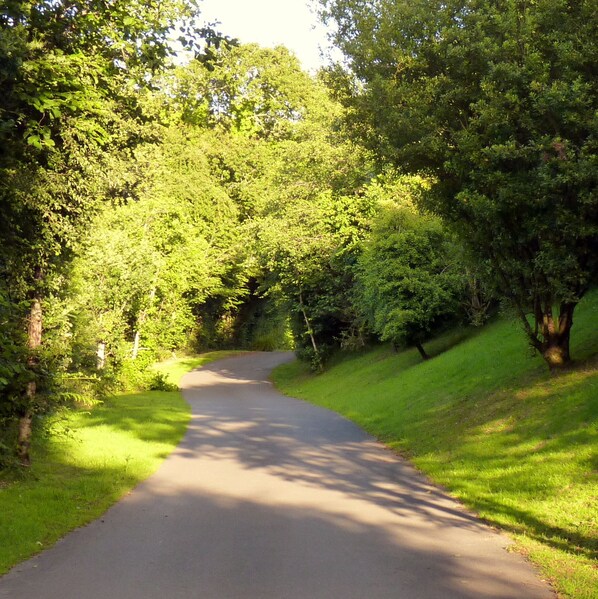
556 354
34 340
556 336
101 355
422 351
549 337
310 331
24 435
136 340
141 321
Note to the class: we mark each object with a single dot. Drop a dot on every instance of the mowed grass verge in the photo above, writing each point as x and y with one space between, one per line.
487 421
174 368
90 459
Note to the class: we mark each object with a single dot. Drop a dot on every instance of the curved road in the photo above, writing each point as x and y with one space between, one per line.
268 497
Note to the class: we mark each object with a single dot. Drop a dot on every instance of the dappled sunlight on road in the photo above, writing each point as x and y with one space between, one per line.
268 497
280 453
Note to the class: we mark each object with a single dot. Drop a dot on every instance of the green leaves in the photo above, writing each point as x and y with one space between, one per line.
498 102
409 282
71 75
246 90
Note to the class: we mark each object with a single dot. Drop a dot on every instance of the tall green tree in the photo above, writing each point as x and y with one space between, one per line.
245 89
496 101
69 76
310 225
148 264
280 154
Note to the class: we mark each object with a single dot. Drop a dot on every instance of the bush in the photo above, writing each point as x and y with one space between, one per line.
159 382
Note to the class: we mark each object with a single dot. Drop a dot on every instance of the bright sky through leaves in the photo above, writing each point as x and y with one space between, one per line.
291 23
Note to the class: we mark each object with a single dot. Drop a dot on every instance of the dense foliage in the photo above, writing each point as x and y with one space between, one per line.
497 102
410 282
69 73
230 199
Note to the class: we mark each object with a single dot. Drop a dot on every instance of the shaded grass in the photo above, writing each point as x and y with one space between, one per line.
89 461
486 420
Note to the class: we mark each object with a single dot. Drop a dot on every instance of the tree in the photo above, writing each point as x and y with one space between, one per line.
148 264
309 227
496 101
408 282
69 76
245 89
280 156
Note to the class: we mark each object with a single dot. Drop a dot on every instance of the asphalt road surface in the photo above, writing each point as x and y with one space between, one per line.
268 497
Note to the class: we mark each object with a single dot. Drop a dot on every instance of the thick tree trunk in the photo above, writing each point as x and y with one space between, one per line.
422 351
556 355
34 340
556 336
24 437
551 336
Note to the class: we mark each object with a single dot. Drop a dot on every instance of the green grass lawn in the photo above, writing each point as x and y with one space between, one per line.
486 420
175 368
89 461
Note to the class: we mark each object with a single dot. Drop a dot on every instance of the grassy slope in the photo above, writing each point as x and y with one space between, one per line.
487 421
89 462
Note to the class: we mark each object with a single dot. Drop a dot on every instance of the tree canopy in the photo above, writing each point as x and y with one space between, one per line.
68 78
409 280
496 101
232 200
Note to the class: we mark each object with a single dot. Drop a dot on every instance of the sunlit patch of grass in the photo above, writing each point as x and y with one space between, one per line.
487 421
81 469
175 368
89 461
